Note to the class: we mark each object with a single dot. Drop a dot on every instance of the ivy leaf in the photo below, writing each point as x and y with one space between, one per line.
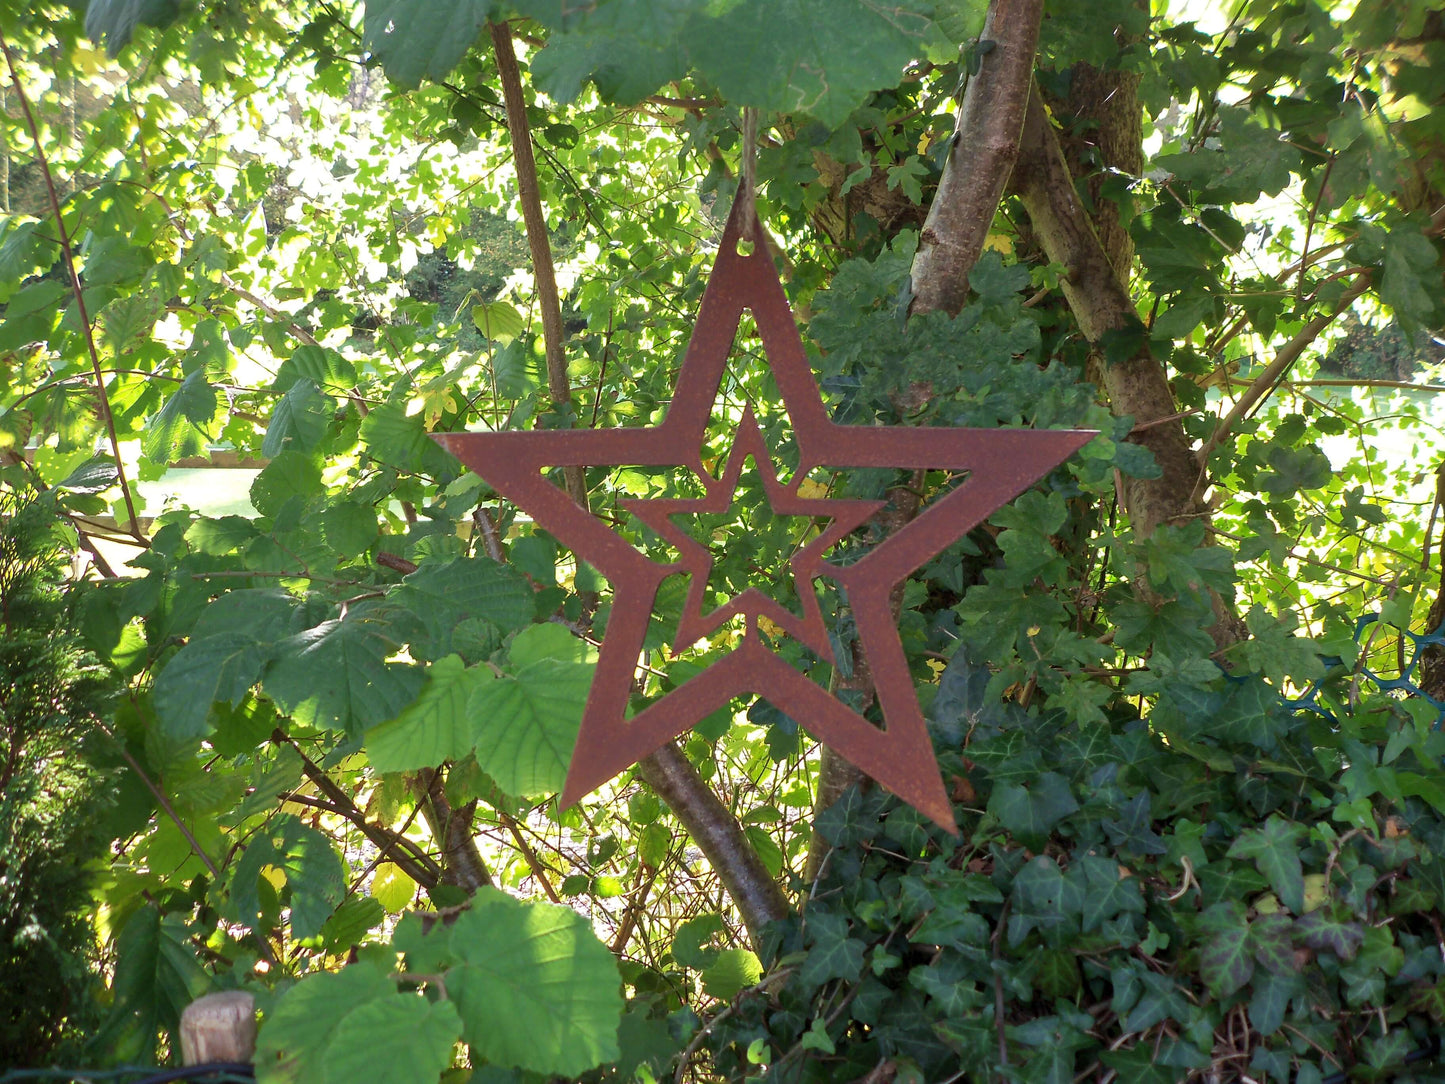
1270 1000
1322 929
1226 962
533 985
337 675
1132 830
526 725
313 870
1030 813
1105 892
298 420
209 668
434 728
833 955
1275 850
1270 940
416 39
176 431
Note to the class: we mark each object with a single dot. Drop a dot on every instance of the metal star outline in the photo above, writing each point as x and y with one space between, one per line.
1000 464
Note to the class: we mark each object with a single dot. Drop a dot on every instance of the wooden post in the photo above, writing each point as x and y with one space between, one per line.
219 1027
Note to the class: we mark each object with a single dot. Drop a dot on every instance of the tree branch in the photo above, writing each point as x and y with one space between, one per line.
716 831
543 271
985 146
452 829
1273 373
63 235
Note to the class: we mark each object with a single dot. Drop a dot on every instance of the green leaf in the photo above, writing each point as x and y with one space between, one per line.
114 21
1324 930
323 1027
1226 962
549 640
313 870
498 321
526 726
815 56
402 1039
1031 812
349 528
324 368
337 675
833 955
176 431
434 728
416 39
209 668
1275 850
534 986
299 420
156 974
1106 892
690 942
442 596
290 474
734 970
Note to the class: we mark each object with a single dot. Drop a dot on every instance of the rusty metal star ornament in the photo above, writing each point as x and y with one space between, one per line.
999 463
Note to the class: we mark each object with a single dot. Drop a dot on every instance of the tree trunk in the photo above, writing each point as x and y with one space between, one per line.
1136 385
985 147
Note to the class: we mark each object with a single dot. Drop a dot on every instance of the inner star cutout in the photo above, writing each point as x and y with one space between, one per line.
999 463
807 564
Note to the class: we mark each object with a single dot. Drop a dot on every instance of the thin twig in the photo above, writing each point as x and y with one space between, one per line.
63 236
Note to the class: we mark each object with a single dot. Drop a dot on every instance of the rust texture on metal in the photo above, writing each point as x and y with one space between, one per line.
999 464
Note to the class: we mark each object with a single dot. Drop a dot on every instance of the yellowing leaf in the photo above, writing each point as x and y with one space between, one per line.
392 887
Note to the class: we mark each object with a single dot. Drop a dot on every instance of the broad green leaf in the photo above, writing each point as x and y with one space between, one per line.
156 975
392 887
337 674
1275 850
222 666
313 870
417 39
351 922
734 970
295 1041
498 321
525 726
534 986
298 420
402 1039
394 438
349 528
443 596
549 640
290 474
114 21
178 430
434 728
691 942
324 368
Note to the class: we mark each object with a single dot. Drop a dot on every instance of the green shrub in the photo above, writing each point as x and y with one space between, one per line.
49 796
